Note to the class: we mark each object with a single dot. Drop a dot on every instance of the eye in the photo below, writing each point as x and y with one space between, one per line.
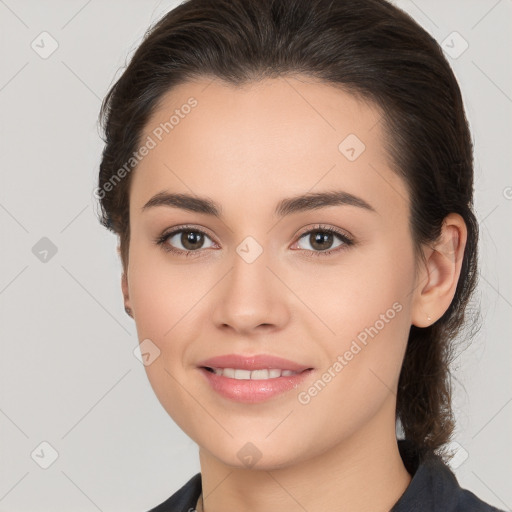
321 238
188 240
191 240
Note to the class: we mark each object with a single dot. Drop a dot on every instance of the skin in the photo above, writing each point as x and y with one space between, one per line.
247 148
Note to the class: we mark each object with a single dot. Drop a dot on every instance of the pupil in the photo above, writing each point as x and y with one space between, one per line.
321 237
191 238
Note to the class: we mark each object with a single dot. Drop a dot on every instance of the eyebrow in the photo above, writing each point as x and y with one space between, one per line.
288 206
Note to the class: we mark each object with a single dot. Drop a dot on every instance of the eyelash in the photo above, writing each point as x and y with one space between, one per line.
347 241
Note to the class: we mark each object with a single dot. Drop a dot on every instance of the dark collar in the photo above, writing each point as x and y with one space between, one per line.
432 482
434 487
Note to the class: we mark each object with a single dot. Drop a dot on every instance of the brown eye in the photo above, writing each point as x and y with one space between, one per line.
321 240
191 240
185 241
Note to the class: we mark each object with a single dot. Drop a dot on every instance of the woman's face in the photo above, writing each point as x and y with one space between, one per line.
259 281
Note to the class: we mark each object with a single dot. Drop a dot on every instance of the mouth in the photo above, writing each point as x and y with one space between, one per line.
260 374
264 366
254 379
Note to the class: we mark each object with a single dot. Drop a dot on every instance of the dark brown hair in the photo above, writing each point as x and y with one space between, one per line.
369 48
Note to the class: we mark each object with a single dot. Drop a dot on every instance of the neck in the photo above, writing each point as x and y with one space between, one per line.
361 473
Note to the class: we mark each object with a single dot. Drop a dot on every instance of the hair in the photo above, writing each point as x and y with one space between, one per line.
368 48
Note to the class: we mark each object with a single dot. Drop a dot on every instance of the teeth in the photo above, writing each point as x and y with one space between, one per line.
242 374
235 373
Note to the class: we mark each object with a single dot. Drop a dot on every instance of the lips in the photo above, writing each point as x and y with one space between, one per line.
251 363
253 379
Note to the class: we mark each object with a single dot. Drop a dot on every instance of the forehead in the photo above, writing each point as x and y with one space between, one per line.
275 137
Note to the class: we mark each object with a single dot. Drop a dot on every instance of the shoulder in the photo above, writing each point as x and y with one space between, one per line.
434 486
467 501
184 499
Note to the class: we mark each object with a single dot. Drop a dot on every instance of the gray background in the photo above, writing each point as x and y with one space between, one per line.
68 375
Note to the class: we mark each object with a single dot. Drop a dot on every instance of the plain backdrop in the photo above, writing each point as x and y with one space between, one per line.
68 375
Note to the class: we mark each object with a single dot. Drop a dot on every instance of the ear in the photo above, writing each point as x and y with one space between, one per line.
439 274
124 285
126 293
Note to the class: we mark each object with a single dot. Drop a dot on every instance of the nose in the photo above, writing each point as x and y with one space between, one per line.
251 298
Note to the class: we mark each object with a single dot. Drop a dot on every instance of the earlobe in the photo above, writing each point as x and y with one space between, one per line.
438 281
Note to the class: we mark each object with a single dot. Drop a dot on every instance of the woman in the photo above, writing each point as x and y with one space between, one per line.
291 182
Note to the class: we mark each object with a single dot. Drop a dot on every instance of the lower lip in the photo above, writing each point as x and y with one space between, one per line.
253 391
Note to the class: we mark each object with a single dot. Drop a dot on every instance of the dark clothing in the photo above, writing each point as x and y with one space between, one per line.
433 488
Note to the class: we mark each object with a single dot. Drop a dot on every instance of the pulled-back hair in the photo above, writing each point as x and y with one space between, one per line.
368 48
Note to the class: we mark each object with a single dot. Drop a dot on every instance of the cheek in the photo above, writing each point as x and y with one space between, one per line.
151 297
163 298
169 301
162 294
366 288
370 318
366 305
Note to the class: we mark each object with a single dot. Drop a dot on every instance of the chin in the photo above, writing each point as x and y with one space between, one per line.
253 455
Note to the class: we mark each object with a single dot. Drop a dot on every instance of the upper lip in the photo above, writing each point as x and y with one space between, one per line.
254 362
